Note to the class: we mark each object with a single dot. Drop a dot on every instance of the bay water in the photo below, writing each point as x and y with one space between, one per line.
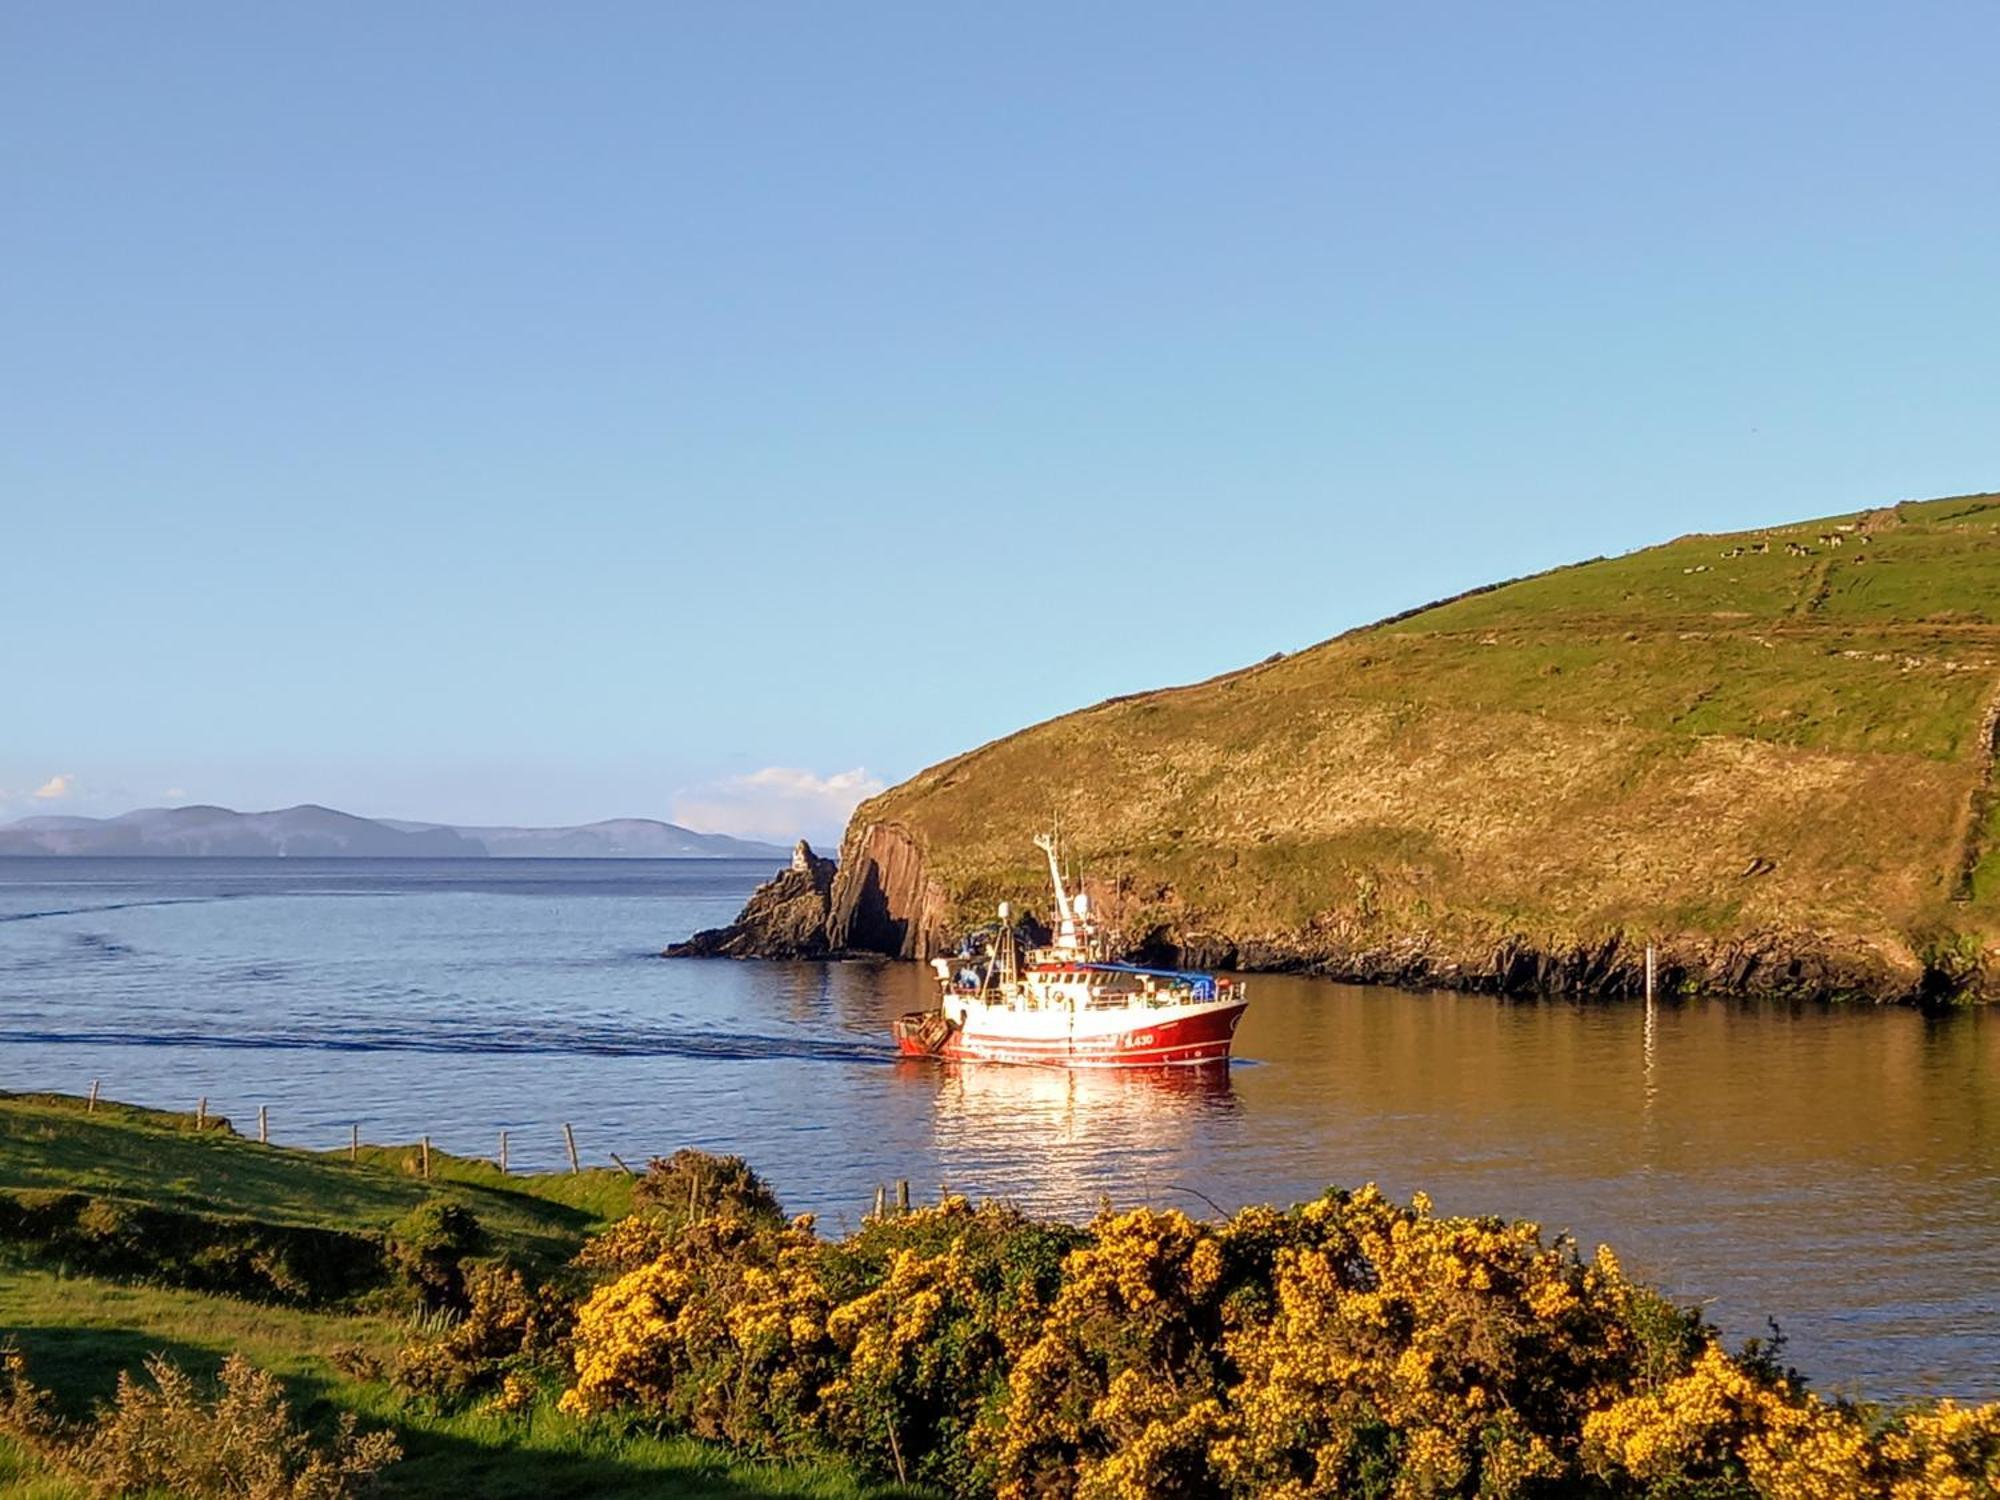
1836 1169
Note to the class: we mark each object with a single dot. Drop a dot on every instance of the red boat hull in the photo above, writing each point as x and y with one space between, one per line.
1181 1041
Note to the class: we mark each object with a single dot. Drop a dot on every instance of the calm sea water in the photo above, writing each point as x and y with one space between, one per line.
1836 1169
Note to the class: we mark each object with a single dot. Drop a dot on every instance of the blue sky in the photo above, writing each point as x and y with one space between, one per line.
536 414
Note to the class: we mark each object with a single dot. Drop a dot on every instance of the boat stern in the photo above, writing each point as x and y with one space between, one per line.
923 1033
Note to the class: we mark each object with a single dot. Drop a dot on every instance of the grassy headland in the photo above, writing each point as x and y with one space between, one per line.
1770 752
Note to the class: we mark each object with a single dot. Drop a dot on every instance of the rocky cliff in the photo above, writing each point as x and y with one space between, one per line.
1769 754
786 917
883 902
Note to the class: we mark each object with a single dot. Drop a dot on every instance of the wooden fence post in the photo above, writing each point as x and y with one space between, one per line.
91 1108
353 1144
427 1158
881 1200
902 1195
503 1153
201 1113
263 1125
569 1137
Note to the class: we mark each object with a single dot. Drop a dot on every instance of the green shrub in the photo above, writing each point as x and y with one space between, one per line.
428 1247
693 1184
288 1263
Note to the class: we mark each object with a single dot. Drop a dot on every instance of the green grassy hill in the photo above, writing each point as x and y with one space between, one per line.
1768 751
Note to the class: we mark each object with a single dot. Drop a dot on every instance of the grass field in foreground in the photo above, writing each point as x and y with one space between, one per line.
79 1332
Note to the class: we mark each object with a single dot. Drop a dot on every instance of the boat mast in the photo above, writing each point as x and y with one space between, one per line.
1066 934
1004 956
1047 845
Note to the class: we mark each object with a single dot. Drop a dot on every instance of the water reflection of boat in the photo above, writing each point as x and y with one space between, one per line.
1166 1091
1070 1005
1061 1139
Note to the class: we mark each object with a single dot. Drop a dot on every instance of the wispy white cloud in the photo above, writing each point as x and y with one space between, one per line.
778 802
56 787
177 794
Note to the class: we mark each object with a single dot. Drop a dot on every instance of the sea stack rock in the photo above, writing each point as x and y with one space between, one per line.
884 900
784 918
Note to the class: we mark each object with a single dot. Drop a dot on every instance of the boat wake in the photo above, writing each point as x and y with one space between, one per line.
85 911
707 1045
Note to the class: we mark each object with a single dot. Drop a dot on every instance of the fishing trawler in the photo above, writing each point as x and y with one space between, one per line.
1069 1005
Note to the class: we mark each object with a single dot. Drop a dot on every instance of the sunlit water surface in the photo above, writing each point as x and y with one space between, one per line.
1837 1169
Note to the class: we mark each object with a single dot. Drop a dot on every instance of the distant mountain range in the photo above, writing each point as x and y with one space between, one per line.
615 838
314 832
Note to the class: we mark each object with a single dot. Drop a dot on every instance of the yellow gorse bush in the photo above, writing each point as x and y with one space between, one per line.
1348 1347
626 1246
1949 1452
510 1327
724 1332
1789 1444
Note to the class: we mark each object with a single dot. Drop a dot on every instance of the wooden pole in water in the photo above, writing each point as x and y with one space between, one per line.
263 1125
503 1153
353 1144
1652 1017
427 1158
569 1138
91 1108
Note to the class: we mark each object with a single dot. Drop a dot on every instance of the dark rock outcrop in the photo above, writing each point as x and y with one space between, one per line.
786 917
883 901
877 902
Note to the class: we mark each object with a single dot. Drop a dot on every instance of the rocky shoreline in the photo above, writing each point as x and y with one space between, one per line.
1772 967
785 917
878 902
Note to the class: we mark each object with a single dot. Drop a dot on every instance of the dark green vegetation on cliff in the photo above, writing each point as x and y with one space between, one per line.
1768 751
